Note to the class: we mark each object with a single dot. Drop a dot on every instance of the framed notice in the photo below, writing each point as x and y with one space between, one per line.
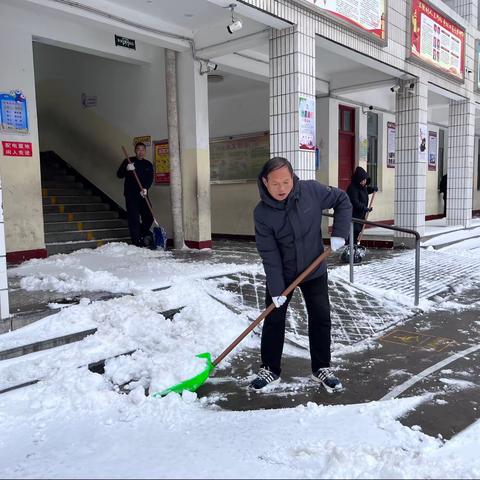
239 158
390 145
432 151
161 162
436 41
13 113
306 123
365 16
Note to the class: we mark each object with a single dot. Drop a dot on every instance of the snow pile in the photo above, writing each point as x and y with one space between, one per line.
116 268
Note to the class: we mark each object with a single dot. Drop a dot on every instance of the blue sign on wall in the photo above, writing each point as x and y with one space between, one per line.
13 112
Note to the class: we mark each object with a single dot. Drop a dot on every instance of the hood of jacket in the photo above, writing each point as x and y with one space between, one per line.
270 201
359 175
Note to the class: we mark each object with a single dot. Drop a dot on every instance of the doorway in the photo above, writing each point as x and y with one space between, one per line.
346 145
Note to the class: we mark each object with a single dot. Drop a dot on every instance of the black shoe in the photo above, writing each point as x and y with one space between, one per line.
328 379
264 377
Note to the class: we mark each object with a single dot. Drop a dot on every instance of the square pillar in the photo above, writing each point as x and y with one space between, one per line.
411 162
194 151
292 96
461 142
4 302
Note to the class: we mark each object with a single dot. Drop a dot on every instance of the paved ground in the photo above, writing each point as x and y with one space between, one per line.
398 345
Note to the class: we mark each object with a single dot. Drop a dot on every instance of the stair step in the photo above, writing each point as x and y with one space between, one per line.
84 225
54 248
61 184
69 199
79 216
77 236
56 177
62 192
76 207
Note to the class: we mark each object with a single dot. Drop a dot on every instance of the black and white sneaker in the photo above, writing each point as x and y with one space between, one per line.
264 377
328 379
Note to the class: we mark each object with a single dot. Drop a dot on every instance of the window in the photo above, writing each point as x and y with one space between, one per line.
372 152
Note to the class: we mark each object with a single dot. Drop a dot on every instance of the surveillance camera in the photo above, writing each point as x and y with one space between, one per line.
370 107
211 66
411 85
395 88
206 67
234 26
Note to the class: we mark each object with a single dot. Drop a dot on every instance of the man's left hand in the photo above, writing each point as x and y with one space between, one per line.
336 243
143 192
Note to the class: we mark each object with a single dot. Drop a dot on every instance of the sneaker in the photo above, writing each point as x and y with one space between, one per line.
264 377
328 379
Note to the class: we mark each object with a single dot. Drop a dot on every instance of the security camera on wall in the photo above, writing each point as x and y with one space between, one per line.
236 24
395 88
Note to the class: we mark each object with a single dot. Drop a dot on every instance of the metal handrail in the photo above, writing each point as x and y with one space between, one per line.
388 227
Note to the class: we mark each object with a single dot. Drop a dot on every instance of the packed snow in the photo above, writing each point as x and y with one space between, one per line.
75 423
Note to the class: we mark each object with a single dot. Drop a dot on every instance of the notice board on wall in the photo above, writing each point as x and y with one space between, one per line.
238 158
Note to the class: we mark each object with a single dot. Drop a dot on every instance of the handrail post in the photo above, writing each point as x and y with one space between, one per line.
417 269
351 248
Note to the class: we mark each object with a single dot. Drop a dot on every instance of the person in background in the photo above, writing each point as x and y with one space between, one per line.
443 189
140 218
288 234
358 192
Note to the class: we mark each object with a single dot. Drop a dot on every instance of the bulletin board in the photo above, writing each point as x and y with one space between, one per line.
238 158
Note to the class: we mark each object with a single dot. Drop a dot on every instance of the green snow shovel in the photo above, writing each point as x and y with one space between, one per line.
195 382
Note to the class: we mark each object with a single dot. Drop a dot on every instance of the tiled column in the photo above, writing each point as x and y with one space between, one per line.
411 163
292 77
461 138
468 9
4 305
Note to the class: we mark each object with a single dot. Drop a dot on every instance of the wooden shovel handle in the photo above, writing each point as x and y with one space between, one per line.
366 218
313 266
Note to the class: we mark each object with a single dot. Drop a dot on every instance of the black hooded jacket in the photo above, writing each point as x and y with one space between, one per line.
357 194
288 233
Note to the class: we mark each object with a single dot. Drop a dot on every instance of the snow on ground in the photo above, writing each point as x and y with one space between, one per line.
114 267
455 236
79 424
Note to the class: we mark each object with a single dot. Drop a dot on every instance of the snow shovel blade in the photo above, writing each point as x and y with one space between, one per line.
192 383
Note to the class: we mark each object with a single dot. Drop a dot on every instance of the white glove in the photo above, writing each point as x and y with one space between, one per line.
279 301
130 167
143 192
336 243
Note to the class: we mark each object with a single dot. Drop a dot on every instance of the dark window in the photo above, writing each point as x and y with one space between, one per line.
372 152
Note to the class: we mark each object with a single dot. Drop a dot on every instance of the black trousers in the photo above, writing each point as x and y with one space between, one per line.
315 293
139 218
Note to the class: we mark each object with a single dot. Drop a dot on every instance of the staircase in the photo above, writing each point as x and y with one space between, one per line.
76 215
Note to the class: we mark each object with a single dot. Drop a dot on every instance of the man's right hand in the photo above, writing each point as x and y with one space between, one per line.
130 167
279 301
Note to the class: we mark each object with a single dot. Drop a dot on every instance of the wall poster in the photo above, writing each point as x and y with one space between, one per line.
306 123
436 40
367 16
432 151
161 162
422 143
13 113
391 144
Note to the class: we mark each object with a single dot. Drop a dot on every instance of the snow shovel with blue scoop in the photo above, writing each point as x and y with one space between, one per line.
195 382
159 234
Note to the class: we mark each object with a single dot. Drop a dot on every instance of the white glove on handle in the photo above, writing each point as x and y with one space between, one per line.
336 243
130 167
143 192
279 301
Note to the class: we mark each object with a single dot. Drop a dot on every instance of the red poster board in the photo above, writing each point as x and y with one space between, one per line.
17 149
161 162
437 41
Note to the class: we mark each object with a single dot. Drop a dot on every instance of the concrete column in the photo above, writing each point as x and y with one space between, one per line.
468 9
4 304
292 83
411 162
461 140
194 151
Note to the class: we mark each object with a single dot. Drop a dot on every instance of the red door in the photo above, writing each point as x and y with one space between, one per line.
346 145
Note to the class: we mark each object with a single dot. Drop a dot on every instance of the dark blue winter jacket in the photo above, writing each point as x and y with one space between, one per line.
144 169
288 233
